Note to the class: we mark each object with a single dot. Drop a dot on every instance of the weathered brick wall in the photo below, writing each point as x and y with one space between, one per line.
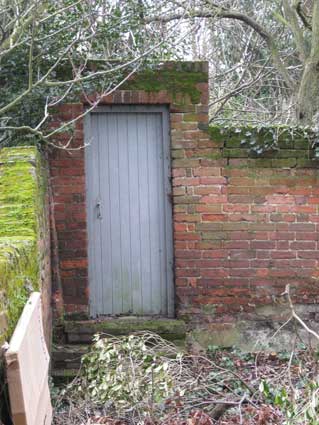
24 243
67 178
245 225
184 87
24 236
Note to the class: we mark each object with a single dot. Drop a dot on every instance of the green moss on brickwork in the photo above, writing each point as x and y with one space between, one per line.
21 200
19 273
169 328
180 83
17 192
279 146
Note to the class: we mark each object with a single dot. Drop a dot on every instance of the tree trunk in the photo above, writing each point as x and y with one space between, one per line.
308 95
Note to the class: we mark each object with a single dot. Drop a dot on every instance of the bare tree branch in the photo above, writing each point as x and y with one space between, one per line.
293 23
222 13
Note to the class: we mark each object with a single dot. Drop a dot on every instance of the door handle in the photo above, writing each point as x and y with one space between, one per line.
99 209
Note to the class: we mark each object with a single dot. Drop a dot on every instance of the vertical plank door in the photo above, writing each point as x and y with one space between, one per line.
129 211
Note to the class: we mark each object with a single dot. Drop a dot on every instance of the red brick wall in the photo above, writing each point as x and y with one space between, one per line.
67 173
243 226
242 234
67 170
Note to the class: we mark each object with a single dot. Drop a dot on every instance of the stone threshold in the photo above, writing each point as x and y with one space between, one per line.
82 331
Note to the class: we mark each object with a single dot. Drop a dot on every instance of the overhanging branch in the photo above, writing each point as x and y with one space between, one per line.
222 13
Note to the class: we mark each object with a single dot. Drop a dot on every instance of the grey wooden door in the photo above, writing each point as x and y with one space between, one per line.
129 211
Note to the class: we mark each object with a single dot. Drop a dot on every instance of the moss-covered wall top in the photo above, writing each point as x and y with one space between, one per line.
21 192
265 147
179 79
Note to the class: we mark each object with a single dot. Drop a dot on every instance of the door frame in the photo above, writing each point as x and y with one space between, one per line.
168 208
